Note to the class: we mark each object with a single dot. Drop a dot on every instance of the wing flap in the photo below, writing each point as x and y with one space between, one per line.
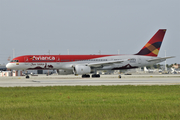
100 64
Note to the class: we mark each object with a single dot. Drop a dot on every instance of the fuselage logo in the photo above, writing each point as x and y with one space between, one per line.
41 58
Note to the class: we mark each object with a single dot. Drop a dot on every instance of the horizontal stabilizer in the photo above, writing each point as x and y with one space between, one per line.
160 59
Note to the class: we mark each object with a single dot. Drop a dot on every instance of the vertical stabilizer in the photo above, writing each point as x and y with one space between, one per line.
152 47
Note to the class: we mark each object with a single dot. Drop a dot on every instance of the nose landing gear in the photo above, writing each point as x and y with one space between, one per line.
27 76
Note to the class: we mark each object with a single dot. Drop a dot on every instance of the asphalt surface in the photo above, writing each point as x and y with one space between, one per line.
73 81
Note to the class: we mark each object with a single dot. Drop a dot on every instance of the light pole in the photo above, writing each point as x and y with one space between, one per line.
165 62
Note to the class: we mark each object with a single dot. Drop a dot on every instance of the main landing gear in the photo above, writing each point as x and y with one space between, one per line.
93 76
85 76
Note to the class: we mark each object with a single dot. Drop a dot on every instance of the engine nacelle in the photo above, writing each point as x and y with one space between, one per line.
82 69
64 72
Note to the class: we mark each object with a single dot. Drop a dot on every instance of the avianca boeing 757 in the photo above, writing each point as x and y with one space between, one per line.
86 64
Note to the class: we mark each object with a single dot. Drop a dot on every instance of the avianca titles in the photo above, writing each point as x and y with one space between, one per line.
86 64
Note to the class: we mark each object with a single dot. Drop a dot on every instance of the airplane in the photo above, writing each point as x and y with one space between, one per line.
174 71
88 64
151 70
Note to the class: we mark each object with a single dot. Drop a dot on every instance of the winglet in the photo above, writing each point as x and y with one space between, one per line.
152 47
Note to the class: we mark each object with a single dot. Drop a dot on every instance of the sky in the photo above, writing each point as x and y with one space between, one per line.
35 27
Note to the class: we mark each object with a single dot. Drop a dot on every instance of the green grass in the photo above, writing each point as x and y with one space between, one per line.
90 102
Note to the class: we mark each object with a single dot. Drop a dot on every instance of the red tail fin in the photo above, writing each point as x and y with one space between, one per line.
152 47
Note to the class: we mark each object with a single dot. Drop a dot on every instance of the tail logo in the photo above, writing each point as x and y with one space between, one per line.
152 47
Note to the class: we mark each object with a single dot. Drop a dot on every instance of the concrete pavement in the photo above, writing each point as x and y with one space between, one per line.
71 80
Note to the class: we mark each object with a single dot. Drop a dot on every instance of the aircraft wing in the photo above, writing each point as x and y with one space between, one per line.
101 64
160 59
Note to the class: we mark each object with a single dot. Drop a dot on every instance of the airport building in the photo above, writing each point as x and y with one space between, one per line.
176 66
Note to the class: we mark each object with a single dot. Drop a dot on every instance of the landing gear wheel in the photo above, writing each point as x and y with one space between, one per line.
98 75
85 76
27 77
95 76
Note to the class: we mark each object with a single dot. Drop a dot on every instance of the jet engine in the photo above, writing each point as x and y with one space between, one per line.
81 70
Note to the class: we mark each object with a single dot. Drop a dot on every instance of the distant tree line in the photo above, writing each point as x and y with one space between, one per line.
159 66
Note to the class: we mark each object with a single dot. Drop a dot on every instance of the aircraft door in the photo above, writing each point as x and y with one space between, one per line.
58 60
26 59
139 60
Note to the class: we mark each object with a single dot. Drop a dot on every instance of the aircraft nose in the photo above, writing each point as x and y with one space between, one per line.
9 66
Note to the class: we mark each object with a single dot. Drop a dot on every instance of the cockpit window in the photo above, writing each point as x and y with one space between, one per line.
14 60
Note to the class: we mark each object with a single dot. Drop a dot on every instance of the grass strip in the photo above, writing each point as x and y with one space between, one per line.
90 102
